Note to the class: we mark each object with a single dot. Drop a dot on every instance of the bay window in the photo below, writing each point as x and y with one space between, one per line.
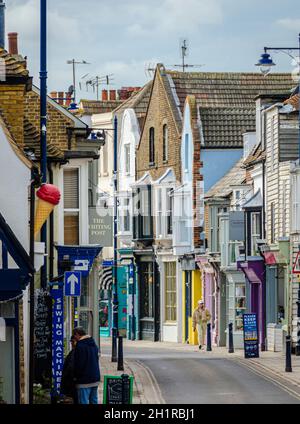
71 206
296 202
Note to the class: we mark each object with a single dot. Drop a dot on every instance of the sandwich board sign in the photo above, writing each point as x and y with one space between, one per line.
296 267
250 329
117 390
72 283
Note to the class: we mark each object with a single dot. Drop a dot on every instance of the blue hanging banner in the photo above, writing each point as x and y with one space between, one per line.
251 342
57 295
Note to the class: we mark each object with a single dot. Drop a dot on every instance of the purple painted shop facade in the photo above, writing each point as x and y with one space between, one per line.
254 270
210 293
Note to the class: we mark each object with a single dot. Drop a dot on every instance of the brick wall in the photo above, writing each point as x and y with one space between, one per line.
57 121
159 113
12 108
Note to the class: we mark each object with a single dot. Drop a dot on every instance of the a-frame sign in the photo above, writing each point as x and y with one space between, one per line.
296 266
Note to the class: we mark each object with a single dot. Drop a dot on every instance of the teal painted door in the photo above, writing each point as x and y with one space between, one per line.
122 298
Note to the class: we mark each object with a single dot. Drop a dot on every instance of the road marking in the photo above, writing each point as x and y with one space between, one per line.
268 377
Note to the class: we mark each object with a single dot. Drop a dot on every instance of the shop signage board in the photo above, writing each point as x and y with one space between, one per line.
57 295
296 267
117 390
72 283
250 328
42 337
101 226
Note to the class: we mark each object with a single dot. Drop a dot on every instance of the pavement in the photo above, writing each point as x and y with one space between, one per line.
270 366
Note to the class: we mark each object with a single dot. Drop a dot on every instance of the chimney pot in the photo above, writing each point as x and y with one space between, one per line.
53 94
13 43
69 99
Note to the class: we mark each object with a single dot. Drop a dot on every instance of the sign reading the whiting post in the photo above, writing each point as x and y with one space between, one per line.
101 226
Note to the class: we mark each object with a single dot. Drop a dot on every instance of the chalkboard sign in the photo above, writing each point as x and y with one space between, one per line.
117 390
251 347
42 338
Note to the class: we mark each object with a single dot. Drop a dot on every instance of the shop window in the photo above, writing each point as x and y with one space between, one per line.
147 290
71 206
240 305
169 201
170 291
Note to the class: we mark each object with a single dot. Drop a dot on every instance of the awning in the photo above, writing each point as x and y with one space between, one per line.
81 257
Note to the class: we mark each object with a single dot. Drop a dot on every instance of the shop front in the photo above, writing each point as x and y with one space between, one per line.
149 295
255 273
191 293
82 311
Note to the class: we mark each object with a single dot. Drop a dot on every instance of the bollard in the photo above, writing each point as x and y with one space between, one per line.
230 338
288 357
125 387
208 343
114 345
120 354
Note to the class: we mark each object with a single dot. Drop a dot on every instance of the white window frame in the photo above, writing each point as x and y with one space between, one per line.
74 210
170 290
296 203
127 158
254 234
162 210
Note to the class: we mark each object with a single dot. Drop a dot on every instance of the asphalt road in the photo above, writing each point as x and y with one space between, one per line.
188 377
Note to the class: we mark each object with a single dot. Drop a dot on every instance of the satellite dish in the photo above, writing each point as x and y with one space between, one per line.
71 90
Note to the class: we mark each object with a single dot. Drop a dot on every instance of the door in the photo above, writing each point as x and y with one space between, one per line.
122 299
157 303
147 300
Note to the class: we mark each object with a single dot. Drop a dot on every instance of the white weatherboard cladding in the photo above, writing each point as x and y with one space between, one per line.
15 180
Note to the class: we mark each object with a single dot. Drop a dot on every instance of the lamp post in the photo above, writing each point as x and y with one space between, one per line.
115 270
266 63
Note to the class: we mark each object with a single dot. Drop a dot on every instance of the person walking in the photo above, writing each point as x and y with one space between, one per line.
86 367
201 316
68 387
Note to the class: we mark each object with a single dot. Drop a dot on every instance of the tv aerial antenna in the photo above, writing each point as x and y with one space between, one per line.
150 70
184 52
96 81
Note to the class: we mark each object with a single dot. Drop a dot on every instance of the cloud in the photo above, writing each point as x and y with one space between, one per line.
289 23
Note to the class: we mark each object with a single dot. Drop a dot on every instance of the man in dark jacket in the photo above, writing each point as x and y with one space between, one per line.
86 367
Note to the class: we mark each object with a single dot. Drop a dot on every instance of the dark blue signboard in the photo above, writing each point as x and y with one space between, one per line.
57 295
251 345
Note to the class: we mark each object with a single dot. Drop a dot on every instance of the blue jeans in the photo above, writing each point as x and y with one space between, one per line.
88 395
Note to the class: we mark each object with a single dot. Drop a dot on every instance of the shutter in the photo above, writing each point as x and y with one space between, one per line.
71 188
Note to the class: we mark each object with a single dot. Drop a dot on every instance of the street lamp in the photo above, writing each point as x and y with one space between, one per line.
265 63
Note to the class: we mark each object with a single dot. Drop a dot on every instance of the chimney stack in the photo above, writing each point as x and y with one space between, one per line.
69 99
13 43
61 96
2 24
104 95
112 95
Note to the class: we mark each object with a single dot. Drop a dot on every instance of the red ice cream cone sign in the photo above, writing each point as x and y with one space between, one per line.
48 197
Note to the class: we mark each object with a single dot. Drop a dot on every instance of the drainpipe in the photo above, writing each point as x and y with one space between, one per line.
31 291
51 235
2 24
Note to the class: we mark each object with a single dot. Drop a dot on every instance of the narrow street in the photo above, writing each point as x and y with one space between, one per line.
186 377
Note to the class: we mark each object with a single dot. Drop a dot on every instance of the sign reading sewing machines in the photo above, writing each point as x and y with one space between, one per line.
101 226
250 327
57 295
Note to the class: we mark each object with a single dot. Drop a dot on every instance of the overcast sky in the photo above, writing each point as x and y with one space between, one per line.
124 37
